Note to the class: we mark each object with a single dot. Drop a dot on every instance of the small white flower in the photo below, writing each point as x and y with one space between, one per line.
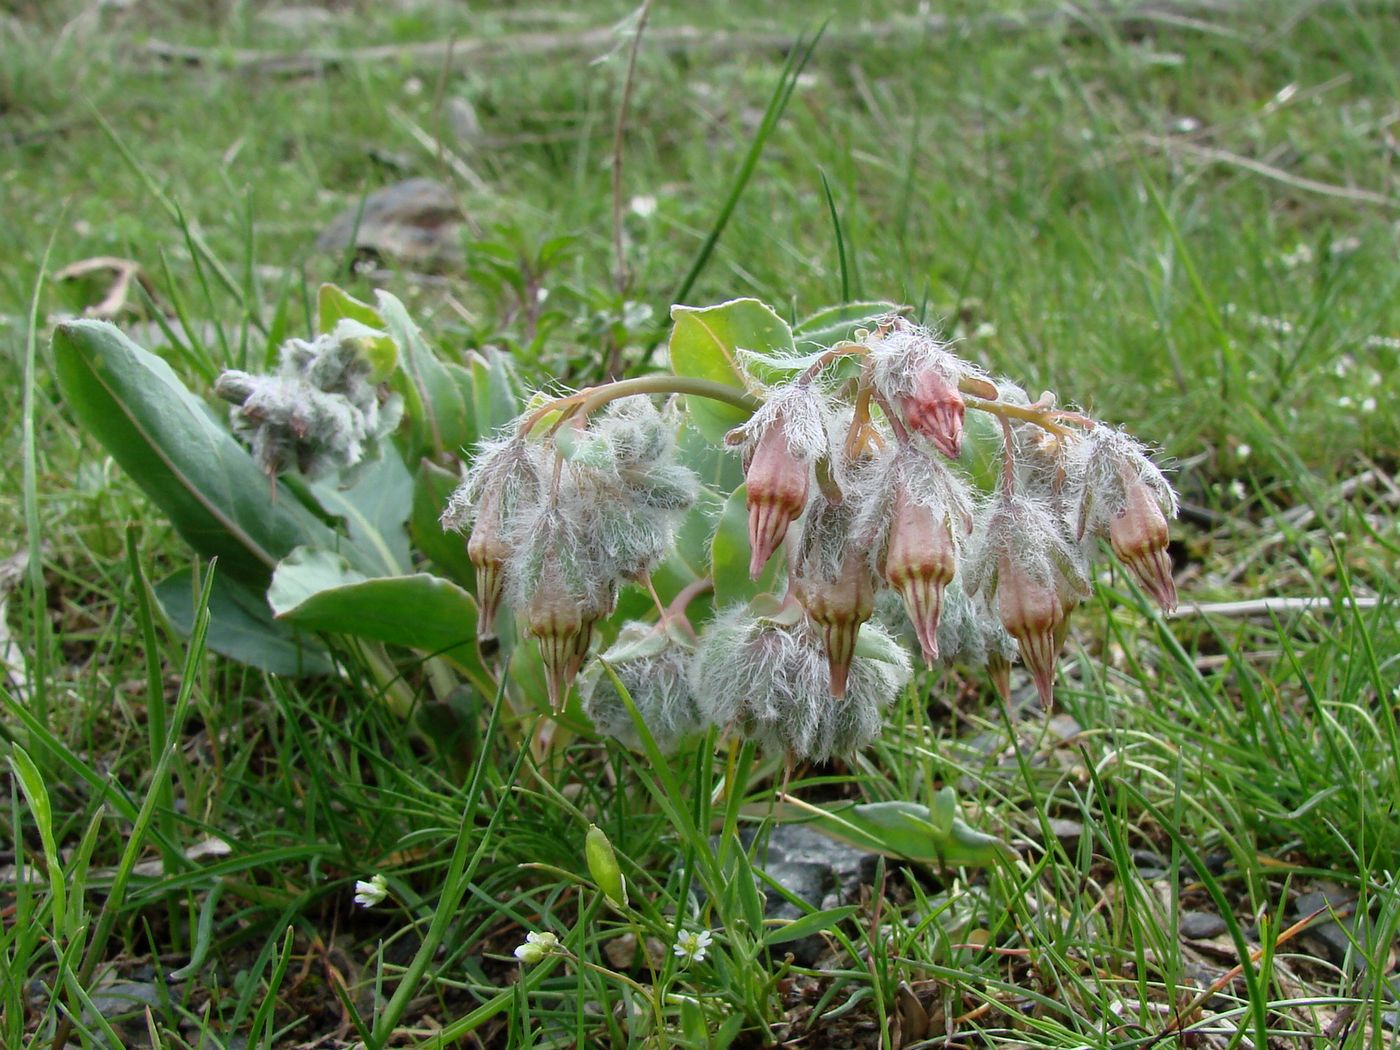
536 947
643 206
368 894
1368 404
1243 450
691 945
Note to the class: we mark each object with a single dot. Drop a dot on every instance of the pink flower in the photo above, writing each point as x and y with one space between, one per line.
919 563
778 482
934 408
1138 536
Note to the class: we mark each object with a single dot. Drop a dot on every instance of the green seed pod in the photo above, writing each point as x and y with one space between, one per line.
603 866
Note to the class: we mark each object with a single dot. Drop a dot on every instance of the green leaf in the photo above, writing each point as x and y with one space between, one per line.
320 591
435 395
375 509
905 830
718 467
730 556
31 782
705 344
446 550
335 304
497 391
980 459
241 626
808 925
827 327
168 441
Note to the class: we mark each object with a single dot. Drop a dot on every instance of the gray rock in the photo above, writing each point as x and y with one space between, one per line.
125 997
1330 938
415 222
818 870
1150 865
1201 925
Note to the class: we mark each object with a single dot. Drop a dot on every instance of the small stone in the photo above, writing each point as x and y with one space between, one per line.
1326 936
415 222
1066 830
1201 925
1062 727
1150 865
125 997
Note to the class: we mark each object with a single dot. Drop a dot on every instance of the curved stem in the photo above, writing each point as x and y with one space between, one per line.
686 595
592 398
839 350
1044 420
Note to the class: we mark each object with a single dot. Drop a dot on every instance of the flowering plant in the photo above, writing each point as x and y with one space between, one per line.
744 540
856 466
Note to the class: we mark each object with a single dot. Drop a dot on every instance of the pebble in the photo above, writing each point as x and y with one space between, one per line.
416 222
1201 925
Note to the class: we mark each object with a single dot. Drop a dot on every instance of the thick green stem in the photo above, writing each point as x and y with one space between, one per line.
592 398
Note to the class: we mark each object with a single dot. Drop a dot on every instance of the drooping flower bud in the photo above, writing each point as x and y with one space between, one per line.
919 563
777 483
488 548
916 514
558 581
935 408
839 607
917 376
1138 535
1024 561
503 487
1032 613
1120 494
780 443
834 584
563 627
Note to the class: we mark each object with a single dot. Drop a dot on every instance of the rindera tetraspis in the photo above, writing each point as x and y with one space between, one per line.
854 463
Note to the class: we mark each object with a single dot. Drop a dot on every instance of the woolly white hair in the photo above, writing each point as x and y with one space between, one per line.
1101 464
922 478
319 412
550 547
826 539
508 468
772 682
1023 528
801 409
658 683
906 351
968 630
626 489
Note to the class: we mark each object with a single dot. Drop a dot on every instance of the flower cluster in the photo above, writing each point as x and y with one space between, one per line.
558 526
863 481
321 409
1016 561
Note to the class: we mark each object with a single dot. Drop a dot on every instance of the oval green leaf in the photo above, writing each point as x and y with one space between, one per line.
705 344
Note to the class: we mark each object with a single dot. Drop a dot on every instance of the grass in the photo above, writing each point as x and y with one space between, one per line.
1077 200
